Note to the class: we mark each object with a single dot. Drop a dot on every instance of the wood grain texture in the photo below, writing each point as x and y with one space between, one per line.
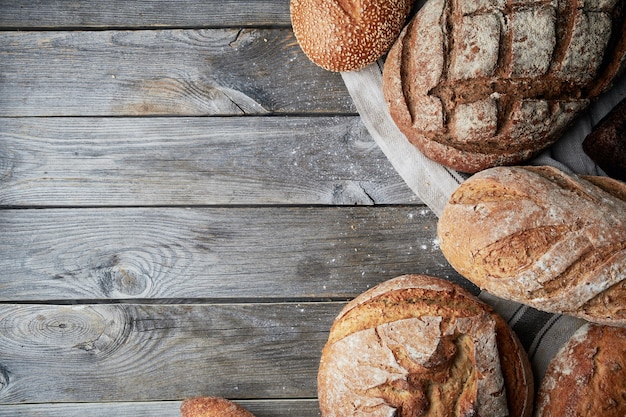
260 408
245 253
148 254
191 161
36 14
133 352
163 72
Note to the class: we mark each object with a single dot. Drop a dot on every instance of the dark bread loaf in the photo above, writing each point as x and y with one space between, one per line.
418 345
346 35
587 377
476 84
538 236
606 144
212 407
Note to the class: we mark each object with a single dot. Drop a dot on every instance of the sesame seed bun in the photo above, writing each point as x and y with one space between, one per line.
346 35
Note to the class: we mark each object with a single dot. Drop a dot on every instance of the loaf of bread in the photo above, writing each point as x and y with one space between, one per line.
476 84
606 144
538 236
587 377
212 407
418 345
346 35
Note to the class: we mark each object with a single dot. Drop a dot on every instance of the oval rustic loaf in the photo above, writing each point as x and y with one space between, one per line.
476 84
346 35
587 376
418 345
538 236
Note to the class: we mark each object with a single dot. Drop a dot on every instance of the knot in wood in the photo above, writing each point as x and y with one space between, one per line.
4 377
115 279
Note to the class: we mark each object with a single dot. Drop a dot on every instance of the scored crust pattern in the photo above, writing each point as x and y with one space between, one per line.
475 84
541 237
416 346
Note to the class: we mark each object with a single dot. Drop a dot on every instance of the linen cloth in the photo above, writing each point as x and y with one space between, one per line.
541 333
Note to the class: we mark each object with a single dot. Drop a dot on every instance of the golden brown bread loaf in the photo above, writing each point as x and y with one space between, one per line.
538 236
587 377
418 345
346 35
475 84
212 407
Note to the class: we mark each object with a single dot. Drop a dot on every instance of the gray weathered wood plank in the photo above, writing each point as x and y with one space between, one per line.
163 72
36 14
139 352
194 161
260 408
249 253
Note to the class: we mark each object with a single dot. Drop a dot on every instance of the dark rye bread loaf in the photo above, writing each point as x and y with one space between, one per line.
587 376
540 237
417 345
475 84
606 144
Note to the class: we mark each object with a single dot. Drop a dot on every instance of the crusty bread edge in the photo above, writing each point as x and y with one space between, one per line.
515 364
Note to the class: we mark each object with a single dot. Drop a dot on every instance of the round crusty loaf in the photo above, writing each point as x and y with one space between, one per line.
212 407
587 377
419 345
540 237
475 84
346 35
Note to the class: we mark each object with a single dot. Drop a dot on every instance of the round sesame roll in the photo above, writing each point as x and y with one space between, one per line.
346 35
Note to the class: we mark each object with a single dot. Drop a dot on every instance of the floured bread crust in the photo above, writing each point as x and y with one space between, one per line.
418 345
587 377
475 84
541 237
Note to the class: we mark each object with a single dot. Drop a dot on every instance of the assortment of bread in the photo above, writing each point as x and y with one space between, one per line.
480 86
419 345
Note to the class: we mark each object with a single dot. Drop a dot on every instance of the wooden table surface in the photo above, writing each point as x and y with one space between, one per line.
186 202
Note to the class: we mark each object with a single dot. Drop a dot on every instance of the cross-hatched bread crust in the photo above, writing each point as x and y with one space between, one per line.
540 237
418 344
477 84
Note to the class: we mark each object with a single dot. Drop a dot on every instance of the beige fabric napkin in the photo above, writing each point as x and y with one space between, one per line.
541 333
